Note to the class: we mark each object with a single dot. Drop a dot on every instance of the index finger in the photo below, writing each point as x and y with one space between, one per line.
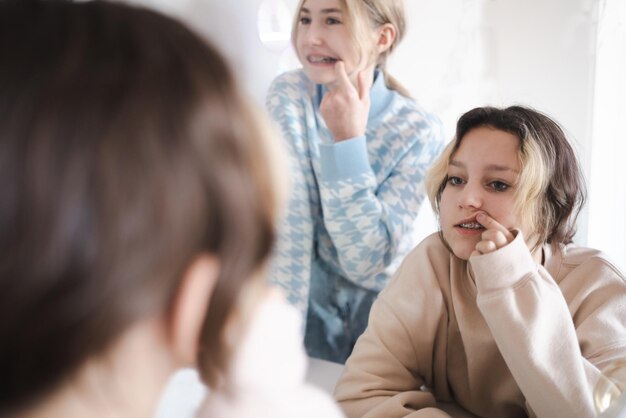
342 77
364 84
489 223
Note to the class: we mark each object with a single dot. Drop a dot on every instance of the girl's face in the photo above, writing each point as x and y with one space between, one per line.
322 39
482 177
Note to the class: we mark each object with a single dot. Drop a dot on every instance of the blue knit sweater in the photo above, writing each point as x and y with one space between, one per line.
352 206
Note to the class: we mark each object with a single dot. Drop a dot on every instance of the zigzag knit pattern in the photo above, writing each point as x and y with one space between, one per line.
353 203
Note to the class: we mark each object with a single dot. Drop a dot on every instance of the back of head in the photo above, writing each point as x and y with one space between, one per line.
125 152
550 190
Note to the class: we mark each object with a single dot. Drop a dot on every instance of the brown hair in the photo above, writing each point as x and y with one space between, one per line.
126 151
550 190
362 17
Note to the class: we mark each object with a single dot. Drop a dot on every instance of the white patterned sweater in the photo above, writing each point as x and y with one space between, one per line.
352 207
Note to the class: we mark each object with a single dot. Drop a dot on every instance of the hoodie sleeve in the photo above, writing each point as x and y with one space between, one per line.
556 338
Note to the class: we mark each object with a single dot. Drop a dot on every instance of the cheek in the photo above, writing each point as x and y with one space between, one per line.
447 217
298 47
299 41
349 52
507 216
445 202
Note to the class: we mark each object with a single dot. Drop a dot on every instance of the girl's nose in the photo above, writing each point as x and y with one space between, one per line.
313 35
471 197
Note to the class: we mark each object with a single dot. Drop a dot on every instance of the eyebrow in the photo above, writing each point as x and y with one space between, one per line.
490 167
325 11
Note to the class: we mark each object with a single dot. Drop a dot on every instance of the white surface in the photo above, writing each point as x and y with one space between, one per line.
607 190
323 374
182 396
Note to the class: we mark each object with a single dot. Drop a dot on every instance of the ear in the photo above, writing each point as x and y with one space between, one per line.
386 37
190 307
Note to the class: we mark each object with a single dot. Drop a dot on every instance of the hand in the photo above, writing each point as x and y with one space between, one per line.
345 108
494 237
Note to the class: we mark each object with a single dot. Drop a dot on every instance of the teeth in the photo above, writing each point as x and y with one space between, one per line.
471 225
322 59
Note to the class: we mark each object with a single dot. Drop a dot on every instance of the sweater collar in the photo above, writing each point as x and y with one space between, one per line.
380 95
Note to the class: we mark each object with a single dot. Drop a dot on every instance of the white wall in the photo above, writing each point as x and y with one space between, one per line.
607 179
233 26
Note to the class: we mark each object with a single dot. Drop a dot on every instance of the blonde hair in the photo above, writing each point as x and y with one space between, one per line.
549 190
363 16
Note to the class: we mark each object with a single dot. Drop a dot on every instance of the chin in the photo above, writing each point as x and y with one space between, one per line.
319 78
463 255
462 250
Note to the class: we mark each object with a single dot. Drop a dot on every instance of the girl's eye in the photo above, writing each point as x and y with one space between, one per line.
332 21
454 181
499 186
304 20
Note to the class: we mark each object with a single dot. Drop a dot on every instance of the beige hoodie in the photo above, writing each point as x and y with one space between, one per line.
500 336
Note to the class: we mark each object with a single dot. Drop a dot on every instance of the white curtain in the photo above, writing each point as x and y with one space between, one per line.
607 178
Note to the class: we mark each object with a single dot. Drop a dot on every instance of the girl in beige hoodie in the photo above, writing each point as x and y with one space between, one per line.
499 313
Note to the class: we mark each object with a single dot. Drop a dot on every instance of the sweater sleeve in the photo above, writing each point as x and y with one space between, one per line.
556 356
393 359
366 218
291 262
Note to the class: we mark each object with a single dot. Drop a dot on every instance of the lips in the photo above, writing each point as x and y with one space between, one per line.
470 224
321 59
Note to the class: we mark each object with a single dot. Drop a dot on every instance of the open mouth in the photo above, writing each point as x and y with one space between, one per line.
470 225
321 59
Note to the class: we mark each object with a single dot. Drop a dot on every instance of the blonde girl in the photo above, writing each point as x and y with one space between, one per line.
359 148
